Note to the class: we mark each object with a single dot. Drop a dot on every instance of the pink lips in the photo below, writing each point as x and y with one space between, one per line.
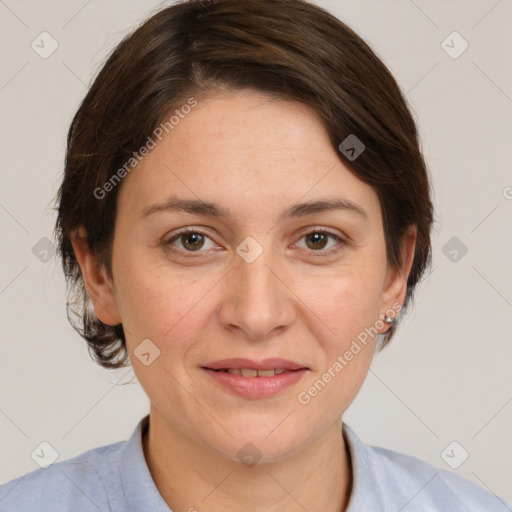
259 386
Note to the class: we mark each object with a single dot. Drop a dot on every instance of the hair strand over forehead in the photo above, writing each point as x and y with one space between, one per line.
290 49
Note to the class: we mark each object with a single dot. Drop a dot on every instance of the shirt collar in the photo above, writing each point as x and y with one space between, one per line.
366 492
141 493
139 489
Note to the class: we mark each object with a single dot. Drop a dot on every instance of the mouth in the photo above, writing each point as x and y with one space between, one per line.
253 379
245 366
249 372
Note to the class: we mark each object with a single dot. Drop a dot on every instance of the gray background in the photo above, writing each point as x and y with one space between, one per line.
446 376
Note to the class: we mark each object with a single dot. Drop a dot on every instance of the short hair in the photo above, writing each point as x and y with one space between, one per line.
288 49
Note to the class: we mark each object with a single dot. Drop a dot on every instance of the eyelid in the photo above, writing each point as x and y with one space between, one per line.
193 229
340 239
167 241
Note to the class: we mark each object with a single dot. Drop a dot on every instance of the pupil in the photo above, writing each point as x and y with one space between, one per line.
318 238
195 237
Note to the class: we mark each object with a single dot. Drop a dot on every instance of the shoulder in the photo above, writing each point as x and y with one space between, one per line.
402 481
77 484
425 484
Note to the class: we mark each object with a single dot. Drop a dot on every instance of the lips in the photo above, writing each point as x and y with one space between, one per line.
249 372
255 379
246 365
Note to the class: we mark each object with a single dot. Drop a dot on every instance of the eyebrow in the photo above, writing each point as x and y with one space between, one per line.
211 209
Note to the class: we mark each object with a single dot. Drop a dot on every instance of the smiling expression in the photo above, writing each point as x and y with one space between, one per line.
243 234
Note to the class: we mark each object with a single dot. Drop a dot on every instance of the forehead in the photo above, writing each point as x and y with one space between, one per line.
249 152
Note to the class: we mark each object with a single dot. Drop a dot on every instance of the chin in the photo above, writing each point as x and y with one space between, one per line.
264 441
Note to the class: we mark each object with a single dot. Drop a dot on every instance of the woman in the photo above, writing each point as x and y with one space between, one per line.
244 216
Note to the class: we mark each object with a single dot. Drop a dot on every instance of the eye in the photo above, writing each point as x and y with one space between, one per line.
194 240
318 241
190 241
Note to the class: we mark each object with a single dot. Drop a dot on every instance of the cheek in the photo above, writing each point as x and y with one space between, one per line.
153 306
168 305
343 303
160 303
347 336
342 311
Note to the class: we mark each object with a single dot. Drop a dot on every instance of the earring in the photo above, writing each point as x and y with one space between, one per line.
389 319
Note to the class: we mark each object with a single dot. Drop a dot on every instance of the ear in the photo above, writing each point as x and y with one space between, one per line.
96 280
395 286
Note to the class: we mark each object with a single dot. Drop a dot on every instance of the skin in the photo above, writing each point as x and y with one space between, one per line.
254 156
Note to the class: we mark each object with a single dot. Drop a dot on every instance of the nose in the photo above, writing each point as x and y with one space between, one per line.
256 299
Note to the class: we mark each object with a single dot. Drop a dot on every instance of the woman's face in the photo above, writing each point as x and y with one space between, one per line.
267 271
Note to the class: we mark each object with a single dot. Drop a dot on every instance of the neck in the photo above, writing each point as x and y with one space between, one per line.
190 478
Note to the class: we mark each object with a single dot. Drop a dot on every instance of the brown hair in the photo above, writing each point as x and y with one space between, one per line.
290 49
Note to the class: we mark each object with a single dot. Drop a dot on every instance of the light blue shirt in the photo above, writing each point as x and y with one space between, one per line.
116 478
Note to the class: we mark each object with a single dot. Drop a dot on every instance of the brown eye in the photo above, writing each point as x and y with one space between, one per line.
321 243
192 241
317 240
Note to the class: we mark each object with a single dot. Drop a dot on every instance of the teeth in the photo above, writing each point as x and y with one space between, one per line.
249 372
266 373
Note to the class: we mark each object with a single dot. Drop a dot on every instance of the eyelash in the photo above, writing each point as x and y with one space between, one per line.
320 253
